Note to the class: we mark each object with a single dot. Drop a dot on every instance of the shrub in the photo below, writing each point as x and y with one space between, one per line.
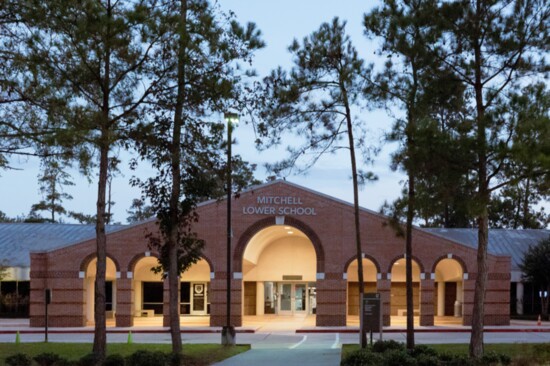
397 357
88 360
492 358
18 359
383 346
114 360
424 359
362 357
147 358
47 359
423 350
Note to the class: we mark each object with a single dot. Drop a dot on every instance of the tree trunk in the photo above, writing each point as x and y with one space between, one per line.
408 262
476 340
525 219
175 156
100 336
362 336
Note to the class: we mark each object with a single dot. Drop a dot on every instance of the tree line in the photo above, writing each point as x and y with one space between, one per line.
463 81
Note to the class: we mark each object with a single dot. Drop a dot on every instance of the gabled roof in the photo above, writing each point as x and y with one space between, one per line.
501 241
17 240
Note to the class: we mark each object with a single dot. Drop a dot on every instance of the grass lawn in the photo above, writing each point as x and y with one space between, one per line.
516 351
206 353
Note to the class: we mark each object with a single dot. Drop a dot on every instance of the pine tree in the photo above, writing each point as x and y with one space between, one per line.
52 180
200 52
93 56
315 101
491 45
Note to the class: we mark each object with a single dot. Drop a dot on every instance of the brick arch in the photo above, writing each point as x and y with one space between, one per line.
366 256
415 258
456 258
210 264
136 259
90 257
270 221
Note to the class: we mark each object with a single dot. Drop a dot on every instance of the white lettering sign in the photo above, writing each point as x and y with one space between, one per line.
279 205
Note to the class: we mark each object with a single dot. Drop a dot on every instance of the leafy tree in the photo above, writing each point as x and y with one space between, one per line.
490 45
5 218
513 206
52 180
315 101
93 56
83 218
139 211
406 28
197 65
536 269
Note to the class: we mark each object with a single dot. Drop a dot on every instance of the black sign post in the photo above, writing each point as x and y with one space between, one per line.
371 311
47 301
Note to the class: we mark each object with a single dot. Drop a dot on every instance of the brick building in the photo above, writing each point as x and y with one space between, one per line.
293 253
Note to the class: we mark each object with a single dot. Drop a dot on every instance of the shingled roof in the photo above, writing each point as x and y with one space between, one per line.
501 241
17 240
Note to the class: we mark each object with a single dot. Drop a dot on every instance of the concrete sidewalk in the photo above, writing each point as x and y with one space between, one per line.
12 326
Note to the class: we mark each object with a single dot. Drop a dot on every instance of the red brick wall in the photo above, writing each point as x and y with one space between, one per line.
331 231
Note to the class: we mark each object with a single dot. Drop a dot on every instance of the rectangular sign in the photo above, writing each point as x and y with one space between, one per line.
371 312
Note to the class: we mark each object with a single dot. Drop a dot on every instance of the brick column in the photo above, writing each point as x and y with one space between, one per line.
124 315
39 267
426 299
331 299
218 296
166 304
468 303
383 286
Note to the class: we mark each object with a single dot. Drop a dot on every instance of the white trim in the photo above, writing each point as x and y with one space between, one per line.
320 276
237 275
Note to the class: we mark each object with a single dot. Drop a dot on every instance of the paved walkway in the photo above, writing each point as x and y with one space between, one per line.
285 350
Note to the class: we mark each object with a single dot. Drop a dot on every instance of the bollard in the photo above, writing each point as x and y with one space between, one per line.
17 338
130 339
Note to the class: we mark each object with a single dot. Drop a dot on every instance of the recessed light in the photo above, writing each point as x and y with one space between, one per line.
287 227
290 232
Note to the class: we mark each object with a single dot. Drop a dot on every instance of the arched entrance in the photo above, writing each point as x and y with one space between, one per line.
449 293
370 271
110 290
148 291
398 293
279 267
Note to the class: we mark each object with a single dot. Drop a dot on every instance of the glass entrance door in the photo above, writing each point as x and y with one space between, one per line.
198 300
293 298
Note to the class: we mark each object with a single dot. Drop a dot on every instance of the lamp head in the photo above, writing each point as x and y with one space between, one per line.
231 118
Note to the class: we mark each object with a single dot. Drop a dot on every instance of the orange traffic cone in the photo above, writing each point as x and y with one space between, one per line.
539 321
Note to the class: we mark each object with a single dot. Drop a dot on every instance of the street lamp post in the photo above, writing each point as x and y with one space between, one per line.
228 331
